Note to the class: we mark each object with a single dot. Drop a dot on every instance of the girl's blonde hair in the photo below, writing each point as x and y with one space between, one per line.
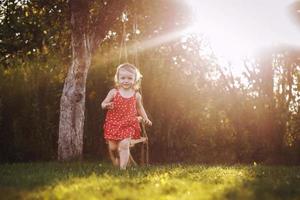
130 68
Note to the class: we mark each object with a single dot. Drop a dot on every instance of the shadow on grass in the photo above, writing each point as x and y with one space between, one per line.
20 178
29 175
267 182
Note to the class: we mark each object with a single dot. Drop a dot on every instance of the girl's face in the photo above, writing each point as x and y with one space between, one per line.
126 78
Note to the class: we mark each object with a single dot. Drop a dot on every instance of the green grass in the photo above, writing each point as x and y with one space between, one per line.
101 181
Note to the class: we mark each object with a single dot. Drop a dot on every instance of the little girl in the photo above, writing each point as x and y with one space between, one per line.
125 111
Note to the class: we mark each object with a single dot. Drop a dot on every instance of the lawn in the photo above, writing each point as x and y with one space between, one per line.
90 180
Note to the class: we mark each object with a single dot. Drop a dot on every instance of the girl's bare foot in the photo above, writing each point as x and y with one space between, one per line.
135 141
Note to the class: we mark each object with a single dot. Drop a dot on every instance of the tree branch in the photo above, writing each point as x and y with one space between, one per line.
111 11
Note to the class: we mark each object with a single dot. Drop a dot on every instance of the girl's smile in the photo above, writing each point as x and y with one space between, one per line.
126 78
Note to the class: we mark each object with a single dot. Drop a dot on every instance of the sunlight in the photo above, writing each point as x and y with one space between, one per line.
163 38
143 45
237 29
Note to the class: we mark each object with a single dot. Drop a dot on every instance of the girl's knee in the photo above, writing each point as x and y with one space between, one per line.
124 144
112 146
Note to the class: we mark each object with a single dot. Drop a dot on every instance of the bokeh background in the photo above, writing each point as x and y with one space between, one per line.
209 101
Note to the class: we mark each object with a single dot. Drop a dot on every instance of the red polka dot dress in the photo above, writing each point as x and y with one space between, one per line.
121 122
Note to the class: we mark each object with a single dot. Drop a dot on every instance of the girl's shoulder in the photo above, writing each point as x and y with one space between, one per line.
113 92
138 95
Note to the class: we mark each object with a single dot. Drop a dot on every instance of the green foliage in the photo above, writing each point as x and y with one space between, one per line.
30 29
200 112
30 112
101 181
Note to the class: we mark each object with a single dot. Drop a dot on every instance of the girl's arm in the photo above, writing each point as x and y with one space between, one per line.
107 102
141 110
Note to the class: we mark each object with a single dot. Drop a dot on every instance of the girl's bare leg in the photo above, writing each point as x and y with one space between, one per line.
124 152
113 152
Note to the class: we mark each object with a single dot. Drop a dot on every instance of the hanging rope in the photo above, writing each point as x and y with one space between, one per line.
123 47
123 50
145 146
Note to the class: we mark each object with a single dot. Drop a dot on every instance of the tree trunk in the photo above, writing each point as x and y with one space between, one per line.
86 38
72 104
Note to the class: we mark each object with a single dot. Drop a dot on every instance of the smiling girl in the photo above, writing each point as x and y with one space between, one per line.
125 112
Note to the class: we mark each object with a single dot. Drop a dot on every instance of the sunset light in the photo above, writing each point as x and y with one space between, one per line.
163 99
239 29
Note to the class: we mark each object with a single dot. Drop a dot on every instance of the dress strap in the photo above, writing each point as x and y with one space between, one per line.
117 92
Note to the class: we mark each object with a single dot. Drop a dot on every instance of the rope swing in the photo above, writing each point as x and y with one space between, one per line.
144 159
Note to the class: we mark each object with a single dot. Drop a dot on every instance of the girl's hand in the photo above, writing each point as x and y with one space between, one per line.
109 105
148 122
140 119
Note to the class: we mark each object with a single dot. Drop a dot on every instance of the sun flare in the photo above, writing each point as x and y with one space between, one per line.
237 29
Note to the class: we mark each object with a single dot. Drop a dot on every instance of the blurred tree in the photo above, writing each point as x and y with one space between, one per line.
33 29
